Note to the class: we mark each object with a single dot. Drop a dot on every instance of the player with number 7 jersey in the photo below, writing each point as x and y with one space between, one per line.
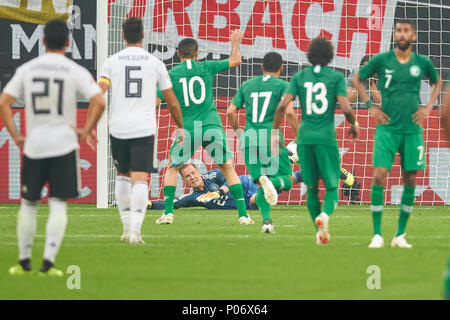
318 87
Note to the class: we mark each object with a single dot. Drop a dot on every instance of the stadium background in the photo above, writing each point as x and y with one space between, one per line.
20 43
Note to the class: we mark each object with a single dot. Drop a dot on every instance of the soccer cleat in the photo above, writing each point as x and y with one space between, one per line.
321 222
52 272
165 219
125 236
246 220
135 238
400 242
377 242
270 193
268 227
18 270
324 240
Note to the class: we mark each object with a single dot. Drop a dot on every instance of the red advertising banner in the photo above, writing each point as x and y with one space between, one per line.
10 164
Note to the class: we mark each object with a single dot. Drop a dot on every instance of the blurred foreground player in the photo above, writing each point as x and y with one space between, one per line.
49 85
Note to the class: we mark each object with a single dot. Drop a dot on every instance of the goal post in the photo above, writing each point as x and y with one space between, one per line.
102 126
355 27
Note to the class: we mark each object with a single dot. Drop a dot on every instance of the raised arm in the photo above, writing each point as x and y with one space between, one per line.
235 56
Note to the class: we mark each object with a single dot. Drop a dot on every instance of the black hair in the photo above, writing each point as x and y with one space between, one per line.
412 23
187 48
56 34
320 52
364 60
272 62
133 30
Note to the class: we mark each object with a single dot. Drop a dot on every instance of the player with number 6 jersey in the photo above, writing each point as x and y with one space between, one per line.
192 82
133 75
318 87
399 119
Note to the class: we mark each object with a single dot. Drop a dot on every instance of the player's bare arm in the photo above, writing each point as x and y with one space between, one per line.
174 108
374 92
279 115
6 114
349 116
423 111
97 105
291 117
445 118
235 56
374 109
233 119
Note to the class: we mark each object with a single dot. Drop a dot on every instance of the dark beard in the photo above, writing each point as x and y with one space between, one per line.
403 47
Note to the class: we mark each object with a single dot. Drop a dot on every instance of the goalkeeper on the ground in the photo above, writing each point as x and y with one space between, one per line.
210 190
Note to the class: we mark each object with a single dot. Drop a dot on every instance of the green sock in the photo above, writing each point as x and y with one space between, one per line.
406 208
238 194
263 206
169 196
377 199
313 203
330 200
281 182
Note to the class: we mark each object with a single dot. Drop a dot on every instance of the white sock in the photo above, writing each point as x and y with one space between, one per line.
26 228
123 197
139 199
56 227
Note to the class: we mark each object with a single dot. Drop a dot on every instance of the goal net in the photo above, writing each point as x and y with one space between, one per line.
356 28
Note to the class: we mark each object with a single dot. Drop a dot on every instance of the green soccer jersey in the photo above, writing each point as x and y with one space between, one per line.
317 88
400 87
261 96
192 83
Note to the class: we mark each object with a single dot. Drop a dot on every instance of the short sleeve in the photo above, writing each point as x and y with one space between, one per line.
341 87
15 86
216 66
430 70
370 67
86 85
238 99
164 82
106 69
293 88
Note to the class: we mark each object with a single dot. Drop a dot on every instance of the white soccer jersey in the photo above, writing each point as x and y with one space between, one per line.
134 74
49 86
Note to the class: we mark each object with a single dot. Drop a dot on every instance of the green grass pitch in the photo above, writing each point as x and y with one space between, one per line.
206 254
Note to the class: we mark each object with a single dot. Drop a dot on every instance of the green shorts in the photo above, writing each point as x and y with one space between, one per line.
319 161
410 147
258 158
211 137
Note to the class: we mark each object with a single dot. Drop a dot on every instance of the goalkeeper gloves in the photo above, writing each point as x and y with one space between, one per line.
209 196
